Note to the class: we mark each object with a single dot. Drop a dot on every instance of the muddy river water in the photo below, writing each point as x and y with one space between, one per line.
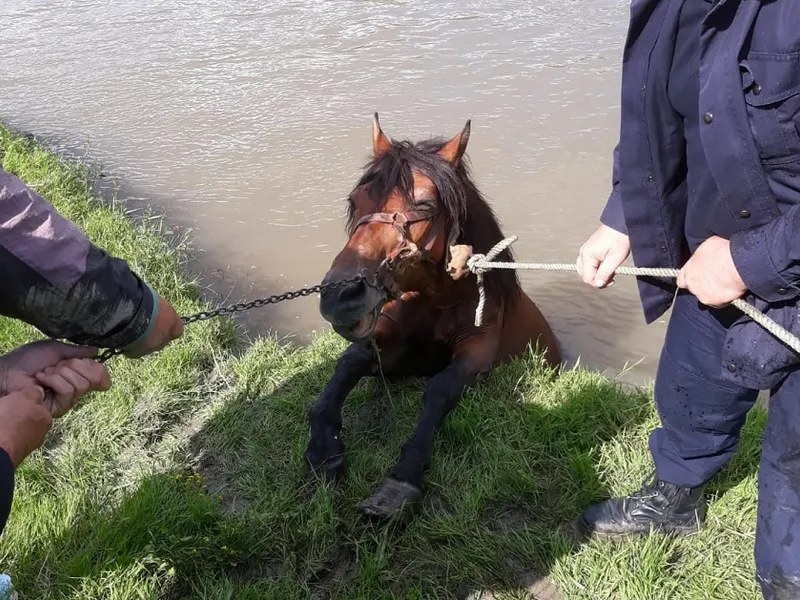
247 122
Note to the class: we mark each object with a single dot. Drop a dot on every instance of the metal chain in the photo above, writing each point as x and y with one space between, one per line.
205 315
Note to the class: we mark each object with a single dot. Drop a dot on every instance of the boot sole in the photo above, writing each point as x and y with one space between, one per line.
584 531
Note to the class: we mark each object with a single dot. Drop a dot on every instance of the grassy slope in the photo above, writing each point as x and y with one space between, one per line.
187 480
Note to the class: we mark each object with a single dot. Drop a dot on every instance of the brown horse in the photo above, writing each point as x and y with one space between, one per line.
413 202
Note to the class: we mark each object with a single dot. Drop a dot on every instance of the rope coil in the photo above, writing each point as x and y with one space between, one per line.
481 264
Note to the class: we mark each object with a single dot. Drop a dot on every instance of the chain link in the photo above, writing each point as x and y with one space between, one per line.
205 315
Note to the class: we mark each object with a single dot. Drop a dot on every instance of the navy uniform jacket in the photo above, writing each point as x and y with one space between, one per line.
749 119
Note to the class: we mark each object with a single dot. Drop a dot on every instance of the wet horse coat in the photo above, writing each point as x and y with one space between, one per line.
413 202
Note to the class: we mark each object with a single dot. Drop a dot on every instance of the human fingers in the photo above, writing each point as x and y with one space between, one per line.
63 392
95 373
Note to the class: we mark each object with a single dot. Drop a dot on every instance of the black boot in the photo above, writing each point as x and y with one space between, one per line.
658 505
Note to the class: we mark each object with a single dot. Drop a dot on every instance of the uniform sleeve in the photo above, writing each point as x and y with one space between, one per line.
613 215
6 487
768 257
55 279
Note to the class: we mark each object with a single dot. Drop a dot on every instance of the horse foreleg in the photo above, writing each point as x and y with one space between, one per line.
325 451
403 486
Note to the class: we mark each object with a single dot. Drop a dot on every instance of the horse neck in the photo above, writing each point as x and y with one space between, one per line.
444 292
482 231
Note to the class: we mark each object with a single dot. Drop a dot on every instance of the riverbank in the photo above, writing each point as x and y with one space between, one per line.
187 479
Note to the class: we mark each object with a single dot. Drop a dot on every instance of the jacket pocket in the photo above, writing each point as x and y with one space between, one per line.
752 356
771 83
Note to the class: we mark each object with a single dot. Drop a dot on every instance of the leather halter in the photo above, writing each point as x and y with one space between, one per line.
406 248
400 221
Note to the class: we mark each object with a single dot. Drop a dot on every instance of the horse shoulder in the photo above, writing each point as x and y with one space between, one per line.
525 325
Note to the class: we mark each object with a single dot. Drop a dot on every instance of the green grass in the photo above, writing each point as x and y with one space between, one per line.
187 480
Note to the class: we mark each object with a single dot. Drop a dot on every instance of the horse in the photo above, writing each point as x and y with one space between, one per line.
412 204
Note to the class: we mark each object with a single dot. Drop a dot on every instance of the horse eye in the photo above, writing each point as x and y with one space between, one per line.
428 205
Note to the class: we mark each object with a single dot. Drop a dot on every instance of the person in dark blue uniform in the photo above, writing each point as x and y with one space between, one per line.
706 178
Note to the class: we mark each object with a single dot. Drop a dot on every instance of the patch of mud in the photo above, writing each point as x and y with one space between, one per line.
330 575
539 587
217 482
151 421
508 517
434 503
521 580
372 418
187 429
536 585
144 454
269 571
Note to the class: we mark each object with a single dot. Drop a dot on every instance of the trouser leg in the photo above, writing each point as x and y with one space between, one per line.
777 549
701 416
701 413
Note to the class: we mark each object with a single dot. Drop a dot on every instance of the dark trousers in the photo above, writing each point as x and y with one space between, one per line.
701 417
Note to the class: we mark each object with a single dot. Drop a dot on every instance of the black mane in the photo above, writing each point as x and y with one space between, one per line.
469 218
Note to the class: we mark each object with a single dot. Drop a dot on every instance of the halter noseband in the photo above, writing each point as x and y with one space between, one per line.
400 221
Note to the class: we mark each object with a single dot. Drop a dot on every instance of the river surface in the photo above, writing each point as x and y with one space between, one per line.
246 123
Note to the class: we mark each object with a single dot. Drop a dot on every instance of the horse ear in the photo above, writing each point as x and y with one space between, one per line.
453 150
380 143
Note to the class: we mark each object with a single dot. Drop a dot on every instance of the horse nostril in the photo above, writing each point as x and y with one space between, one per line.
343 299
354 291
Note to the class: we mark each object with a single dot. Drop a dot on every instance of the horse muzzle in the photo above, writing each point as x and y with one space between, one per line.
353 309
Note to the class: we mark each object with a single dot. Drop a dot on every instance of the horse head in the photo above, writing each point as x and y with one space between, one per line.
403 214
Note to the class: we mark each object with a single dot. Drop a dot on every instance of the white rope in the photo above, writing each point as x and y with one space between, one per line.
480 264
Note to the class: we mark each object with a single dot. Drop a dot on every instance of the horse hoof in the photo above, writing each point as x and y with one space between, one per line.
392 498
332 468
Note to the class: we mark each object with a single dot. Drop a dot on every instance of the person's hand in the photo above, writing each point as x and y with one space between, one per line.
168 327
70 380
24 422
601 255
68 371
711 275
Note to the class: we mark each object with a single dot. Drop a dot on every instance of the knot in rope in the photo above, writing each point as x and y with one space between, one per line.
480 264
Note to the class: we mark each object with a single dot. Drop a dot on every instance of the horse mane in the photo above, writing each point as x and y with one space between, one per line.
469 218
